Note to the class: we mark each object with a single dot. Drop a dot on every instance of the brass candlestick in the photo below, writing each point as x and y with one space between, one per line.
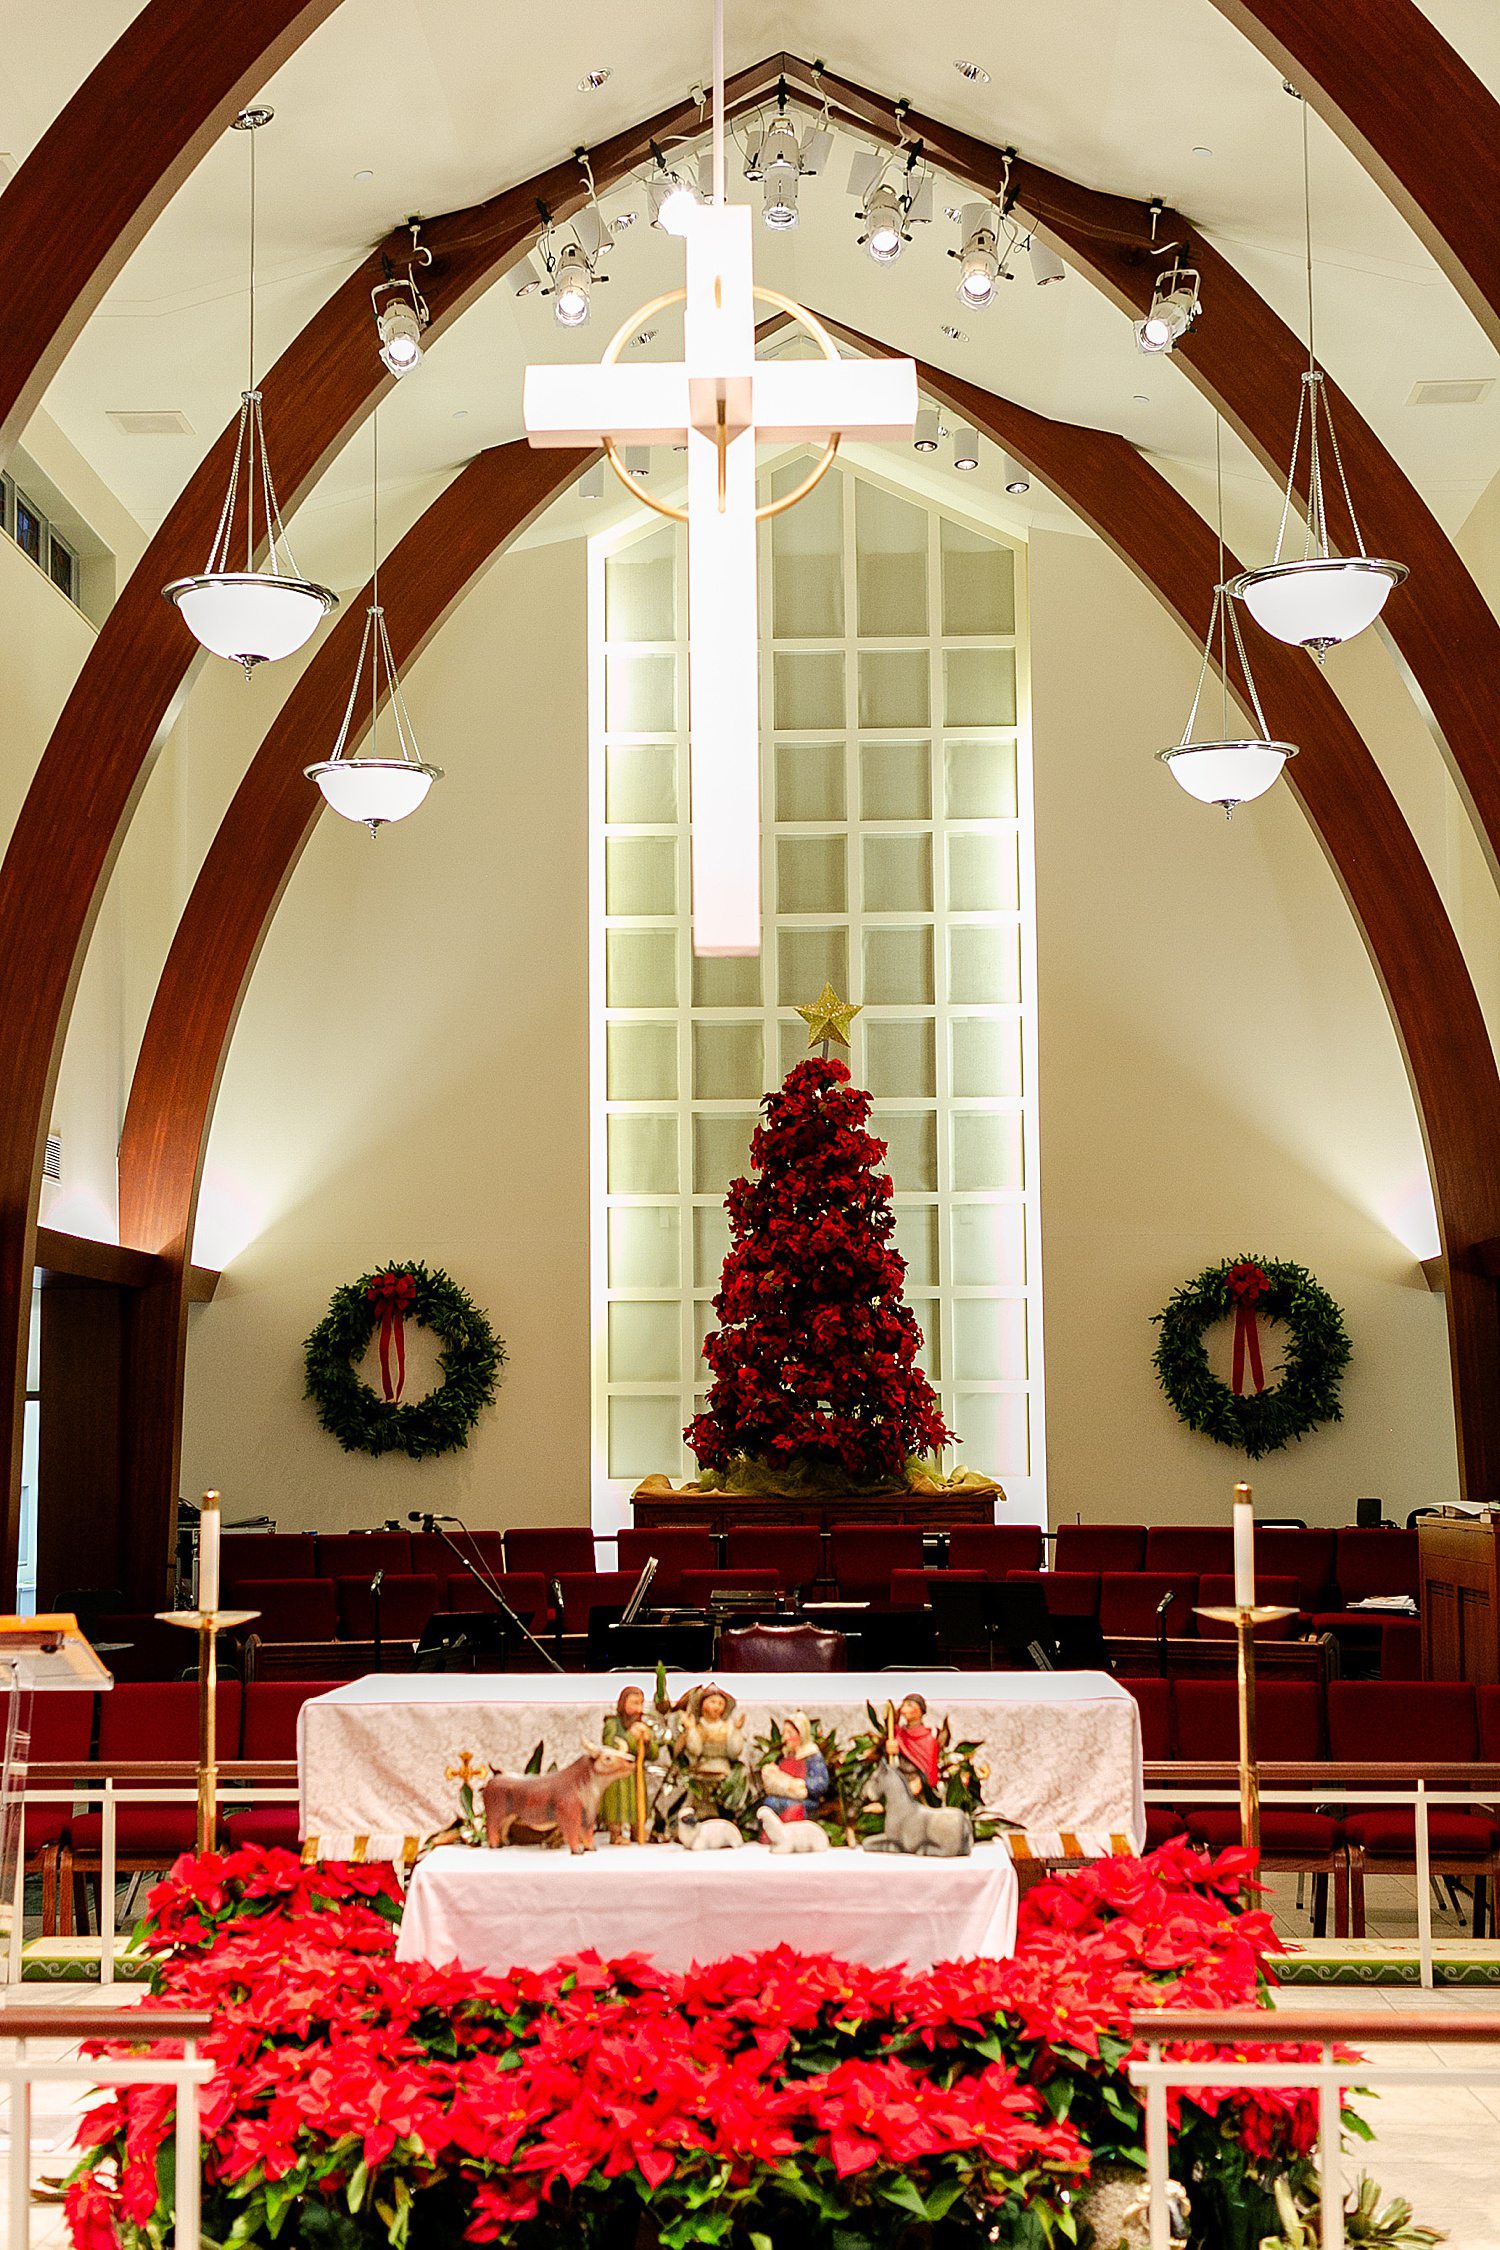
208 1624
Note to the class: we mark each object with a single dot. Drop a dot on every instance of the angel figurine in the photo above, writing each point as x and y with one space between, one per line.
795 1781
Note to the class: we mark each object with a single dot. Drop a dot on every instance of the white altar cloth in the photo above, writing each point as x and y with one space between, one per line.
526 1907
380 1760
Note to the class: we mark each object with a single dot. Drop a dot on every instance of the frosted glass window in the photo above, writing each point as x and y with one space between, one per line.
721 1152
916 1238
986 1055
728 1062
640 875
910 1138
644 1247
979 687
986 1150
989 1339
983 873
733 982
890 563
640 784
980 780
898 967
710 1244
989 1245
640 1062
979 582
894 688
994 1427
792 1046
930 1355
645 1343
984 964
898 874
639 693
639 590
640 968
900 1061
645 1435
807 562
642 1155
895 781
810 781
809 689
811 876
809 959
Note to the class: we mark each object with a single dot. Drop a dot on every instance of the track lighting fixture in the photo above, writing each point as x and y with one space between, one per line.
671 195
1017 479
1046 265
893 193
979 258
572 280
1175 305
965 449
401 319
927 432
781 157
885 234
571 271
780 206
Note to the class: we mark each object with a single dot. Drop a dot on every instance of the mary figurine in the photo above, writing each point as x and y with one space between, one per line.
795 1781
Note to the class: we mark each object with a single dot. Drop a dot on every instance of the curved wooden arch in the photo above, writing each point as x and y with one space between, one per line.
1169 547
218 939
1421 122
92 187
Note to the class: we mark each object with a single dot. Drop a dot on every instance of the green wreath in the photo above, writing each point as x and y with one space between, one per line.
1317 1354
471 1359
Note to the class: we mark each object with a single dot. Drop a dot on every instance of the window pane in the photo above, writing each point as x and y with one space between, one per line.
899 1059
916 1238
809 690
644 1343
721 1152
28 528
898 967
994 1430
640 968
641 1062
898 874
979 687
890 562
984 965
728 1062
983 873
810 781
639 693
642 1155
806 960
980 780
895 780
640 875
986 1150
979 584
730 983
986 1055
911 1148
989 1339
807 561
710 1244
640 784
638 589
989 1245
893 687
810 875
645 1435
643 1248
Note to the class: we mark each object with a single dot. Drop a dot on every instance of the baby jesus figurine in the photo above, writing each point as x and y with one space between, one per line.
796 1780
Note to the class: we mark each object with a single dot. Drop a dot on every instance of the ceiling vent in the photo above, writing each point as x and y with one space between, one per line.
52 1161
151 421
1456 391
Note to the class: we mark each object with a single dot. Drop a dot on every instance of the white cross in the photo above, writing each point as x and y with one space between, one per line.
721 399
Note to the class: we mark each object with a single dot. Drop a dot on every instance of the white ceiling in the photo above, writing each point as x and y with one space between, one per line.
446 101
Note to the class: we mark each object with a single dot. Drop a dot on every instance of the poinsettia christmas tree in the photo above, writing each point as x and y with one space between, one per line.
814 1361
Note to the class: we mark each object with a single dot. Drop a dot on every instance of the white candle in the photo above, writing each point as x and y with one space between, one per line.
208 1553
1244 1548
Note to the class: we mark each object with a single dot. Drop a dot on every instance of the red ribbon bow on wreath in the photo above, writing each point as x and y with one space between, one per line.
1246 1282
392 1294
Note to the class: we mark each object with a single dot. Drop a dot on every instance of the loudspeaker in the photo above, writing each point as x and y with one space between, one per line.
1369 1514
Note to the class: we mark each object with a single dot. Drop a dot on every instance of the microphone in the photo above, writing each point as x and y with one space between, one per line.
376 1583
428 1519
1161 1628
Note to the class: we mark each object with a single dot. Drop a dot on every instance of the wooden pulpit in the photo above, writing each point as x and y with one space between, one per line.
1459 1565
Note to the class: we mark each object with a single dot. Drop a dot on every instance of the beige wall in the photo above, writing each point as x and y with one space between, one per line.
1218 1075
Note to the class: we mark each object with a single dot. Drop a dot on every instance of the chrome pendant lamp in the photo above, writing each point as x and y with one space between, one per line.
373 789
1319 598
251 616
1235 769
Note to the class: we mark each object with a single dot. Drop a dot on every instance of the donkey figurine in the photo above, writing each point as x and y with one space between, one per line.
929 1831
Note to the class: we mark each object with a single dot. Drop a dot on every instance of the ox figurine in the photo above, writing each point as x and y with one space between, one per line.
566 1802
930 1831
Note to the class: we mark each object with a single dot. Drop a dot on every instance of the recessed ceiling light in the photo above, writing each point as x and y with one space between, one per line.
1203 152
644 336
1141 398
622 220
1453 390
460 414
975 72
592 80
953 211
955 335
361 179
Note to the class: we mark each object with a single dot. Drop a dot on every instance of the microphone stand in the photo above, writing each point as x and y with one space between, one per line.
376 1584
486 1579
1161 1629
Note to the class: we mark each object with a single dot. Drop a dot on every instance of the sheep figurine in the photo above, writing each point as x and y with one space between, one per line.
792 1835
697 1835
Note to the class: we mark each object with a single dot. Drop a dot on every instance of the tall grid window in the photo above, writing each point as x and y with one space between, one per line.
897 865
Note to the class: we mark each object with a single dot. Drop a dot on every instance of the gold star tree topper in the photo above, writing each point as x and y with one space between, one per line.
829 1017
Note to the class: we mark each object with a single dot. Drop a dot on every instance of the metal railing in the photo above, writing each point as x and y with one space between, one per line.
1328 2077
22 2070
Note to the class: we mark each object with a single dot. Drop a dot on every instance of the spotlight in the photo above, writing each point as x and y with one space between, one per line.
1045 264
781 159
927 431
1017 479
399 326
671 195
979 259
1175 305
885 234
780 149
965 449
572 279
780 207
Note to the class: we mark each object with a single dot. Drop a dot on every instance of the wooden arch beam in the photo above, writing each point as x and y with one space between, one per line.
213 954
1421 122
110 163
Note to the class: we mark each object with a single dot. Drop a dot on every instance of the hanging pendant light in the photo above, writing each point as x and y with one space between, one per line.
251 616
375 789
1320 598
1237 768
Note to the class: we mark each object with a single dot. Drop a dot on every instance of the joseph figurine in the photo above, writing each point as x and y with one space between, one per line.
627 1728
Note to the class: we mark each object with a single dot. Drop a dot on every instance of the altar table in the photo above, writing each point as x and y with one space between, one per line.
380 1761
526 1907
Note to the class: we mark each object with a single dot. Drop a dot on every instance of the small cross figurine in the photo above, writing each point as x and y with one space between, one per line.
466 1771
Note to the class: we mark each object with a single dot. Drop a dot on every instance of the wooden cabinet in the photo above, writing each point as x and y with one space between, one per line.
1459 1562
724 1511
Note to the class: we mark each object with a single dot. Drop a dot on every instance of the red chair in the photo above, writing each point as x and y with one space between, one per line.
698 1586
1295 1839
291 1609
1401 1648
770 1647
404 1605
526 1591
1412 1722
1306 1556
1190 1549
430 1553
865 1554
1375 1562
551 1548
1487 1712
995 1548
271 1708
62 1728
1155 1700
1099 1546
1128 1602
676 1547
138 1723
146 1649
793 1550
910 1588
267 1554
1218 1593
1067 1593
359 1554
587 1590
